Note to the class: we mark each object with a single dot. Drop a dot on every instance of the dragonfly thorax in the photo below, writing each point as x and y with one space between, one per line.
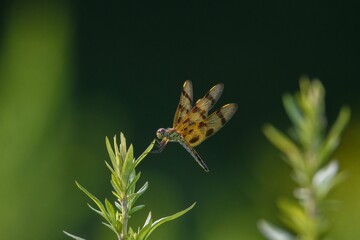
169 133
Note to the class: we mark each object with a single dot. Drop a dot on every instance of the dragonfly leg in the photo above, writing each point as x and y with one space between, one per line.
161 145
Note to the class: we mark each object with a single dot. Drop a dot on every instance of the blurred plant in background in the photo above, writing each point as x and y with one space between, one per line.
35 82
307 150
123 180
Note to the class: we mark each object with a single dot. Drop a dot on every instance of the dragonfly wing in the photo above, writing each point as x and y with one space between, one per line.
194 154
200 111
198 132
195 133
210 98
185 103
219 118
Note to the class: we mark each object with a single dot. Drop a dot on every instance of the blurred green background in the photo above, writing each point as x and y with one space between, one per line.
73 72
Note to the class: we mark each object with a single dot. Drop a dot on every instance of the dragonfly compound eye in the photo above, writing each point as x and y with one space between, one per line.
160 133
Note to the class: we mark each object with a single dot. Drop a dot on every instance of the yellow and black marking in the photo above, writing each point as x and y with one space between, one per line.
185 103
202 124
192 125
194 139
186 95
201 112
210 98
209 132
181 109
221 116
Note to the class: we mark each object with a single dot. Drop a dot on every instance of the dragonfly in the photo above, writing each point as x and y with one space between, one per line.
192 125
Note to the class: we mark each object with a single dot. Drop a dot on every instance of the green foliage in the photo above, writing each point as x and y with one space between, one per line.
123 180
307 149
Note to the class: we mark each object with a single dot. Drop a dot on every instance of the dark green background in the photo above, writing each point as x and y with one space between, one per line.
74 72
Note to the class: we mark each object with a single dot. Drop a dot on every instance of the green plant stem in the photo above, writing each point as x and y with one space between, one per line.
311 204
311 209
125 218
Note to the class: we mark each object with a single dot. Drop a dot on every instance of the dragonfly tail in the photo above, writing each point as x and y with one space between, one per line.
194 154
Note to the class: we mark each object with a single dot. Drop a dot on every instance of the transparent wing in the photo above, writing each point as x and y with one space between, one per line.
185 103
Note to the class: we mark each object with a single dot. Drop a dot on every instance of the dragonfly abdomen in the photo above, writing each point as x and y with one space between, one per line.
194 154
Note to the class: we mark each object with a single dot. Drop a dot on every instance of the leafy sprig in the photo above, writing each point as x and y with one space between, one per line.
307 149
123 180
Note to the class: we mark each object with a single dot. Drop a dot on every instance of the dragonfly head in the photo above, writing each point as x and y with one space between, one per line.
160 133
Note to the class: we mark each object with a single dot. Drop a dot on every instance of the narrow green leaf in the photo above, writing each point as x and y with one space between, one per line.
122 146
148 219
131 187
160 221
95 200
145 153
284 144
332 139
132 176
111 227
73 236
304 84
109 167
110 152
129 164
272 232
118 224
118 206
326 179
97 211
145 230
118 186
114 157
294 216
111 211
132 235
135 209
292 110
119 158
115 194
133 197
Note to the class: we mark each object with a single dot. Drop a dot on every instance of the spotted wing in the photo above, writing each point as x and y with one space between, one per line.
185 103
210 98
201 109
197 132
